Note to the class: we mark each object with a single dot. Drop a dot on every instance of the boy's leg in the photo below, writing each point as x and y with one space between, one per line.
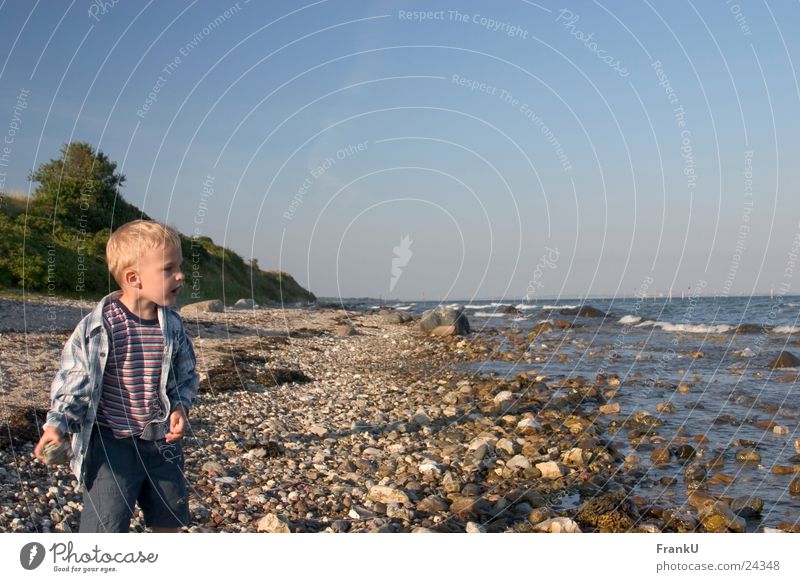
113 481
163 497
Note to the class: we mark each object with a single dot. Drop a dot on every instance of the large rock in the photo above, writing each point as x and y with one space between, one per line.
443 316
718 517
390 316
384 494
210 306
272 523
747 506
444 331
244 304
785 360
583 311
609 512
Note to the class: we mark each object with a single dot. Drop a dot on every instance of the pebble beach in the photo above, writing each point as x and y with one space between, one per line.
331 419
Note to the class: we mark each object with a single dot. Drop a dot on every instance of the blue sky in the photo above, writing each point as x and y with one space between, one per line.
492 135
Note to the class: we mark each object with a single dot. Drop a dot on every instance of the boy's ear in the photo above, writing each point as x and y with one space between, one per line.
131 278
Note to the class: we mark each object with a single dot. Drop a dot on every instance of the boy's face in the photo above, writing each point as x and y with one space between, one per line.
160 275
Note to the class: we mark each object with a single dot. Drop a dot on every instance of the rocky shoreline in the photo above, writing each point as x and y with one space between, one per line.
323 419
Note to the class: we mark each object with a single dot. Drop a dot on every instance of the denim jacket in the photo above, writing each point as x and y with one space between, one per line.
78 384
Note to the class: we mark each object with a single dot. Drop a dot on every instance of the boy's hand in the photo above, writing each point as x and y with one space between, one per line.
50 436
177 424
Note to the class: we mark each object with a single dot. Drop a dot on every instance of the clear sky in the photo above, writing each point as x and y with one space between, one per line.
476 149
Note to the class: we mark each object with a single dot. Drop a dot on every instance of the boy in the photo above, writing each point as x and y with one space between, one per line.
124 389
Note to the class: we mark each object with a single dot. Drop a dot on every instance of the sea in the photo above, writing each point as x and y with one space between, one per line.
720 348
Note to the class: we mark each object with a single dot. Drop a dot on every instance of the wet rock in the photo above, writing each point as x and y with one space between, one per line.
244 304
748 507
613 408
583 311
610 512
665 407
784 360
694 475
794 486
748 455
718 517
680 520
473 527
660 456
685 452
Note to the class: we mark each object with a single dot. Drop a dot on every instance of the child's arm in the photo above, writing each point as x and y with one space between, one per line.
70 394
184 380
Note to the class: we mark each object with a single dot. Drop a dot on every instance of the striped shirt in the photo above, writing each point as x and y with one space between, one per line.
130 398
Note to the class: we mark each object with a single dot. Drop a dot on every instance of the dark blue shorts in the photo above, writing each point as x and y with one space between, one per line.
122 472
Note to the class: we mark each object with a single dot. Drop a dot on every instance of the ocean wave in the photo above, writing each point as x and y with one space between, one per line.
524 306
687 327
487 314
552 307
400 307
630 319
474 307
786 329
499 305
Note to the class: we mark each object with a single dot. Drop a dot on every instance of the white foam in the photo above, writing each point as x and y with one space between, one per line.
687 327
404 307
499 305
487 314
519 319
786 329
746 353
551 307
474 307
524 306
630 319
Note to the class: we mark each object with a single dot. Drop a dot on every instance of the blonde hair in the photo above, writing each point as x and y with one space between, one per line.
131 240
